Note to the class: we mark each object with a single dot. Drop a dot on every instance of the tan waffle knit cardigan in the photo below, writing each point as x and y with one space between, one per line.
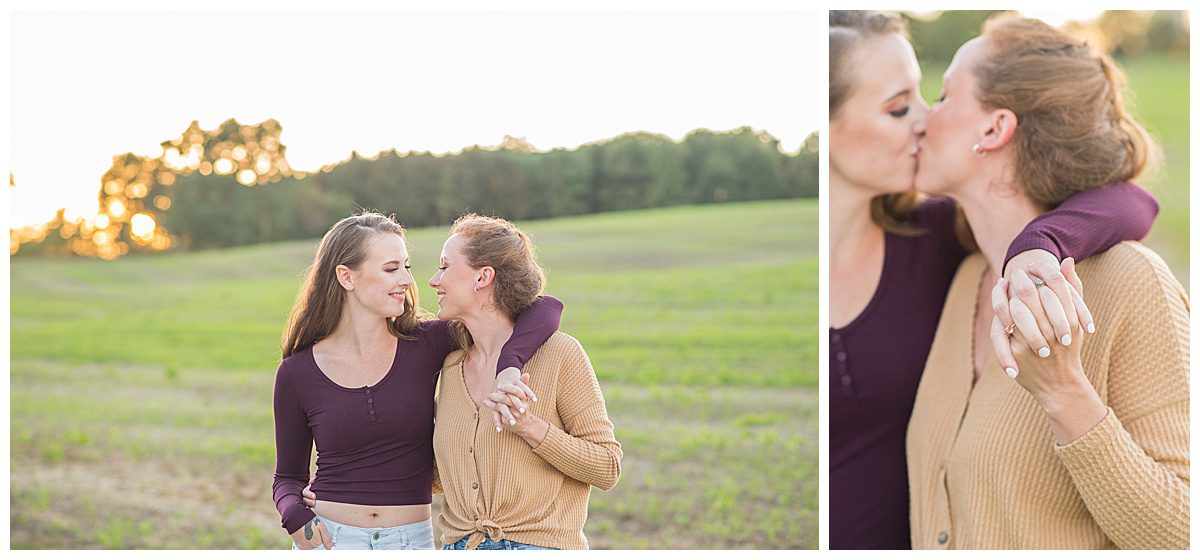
984 470
496 484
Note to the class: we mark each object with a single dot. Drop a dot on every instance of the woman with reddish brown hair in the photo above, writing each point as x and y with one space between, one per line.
527 487
1022 437
893 254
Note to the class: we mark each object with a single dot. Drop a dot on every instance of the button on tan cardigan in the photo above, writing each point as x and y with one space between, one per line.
497 485
984 470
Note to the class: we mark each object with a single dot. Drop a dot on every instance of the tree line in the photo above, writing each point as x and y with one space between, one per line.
232 186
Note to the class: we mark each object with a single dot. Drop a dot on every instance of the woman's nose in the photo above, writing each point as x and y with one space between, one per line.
919 123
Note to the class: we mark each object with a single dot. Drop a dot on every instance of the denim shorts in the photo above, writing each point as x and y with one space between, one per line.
489 544
414 536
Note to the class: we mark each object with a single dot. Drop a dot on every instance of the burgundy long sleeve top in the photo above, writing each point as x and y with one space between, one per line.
375 444
876 360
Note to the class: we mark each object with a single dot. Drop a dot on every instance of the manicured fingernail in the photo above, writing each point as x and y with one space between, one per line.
534 399
521 409
1091 328
1066 340
1012 373
512 422
498 428
1044 352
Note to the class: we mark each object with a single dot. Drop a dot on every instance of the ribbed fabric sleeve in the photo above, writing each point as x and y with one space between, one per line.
584 448
1115 476
984 471
293 452
532 327
1089 222
1136 460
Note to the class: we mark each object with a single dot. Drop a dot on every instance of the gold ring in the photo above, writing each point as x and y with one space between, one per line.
1009 329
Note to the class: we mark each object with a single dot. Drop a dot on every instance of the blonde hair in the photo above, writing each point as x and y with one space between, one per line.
318 306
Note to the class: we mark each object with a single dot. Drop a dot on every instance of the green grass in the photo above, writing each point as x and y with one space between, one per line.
1158 98
140 388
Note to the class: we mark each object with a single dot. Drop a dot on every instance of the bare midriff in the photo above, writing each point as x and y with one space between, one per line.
370 517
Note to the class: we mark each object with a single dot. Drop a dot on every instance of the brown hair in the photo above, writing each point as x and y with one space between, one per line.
499 244
318 306
1073 133
846 29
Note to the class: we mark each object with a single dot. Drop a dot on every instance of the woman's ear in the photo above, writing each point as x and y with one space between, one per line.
487 275
343 276
1000 131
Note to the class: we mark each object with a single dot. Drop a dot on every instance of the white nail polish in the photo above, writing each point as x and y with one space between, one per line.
1091 328
1012 373
1044 351
1066 340
522 410
498 428
512 422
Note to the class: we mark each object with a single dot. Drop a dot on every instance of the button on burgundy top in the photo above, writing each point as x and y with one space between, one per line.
879 356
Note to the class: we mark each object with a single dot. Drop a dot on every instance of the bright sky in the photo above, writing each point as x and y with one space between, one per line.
89 85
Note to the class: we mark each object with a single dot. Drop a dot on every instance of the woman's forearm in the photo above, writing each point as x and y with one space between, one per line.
1089 222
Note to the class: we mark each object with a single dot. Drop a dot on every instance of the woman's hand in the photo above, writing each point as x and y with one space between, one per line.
507 402
312 534
1054 376
1063 309
512 388
310 499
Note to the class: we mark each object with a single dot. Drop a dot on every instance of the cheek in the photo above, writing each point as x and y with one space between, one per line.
871 144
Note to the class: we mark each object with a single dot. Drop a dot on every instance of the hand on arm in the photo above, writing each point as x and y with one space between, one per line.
511 401
1036 356
1016 297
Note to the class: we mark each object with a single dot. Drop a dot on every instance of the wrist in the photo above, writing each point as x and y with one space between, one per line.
534 431
1068 398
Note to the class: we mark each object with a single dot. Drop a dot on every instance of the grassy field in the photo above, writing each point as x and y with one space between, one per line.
1159 101
141 388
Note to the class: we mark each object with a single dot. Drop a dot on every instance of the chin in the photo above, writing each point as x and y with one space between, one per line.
927 185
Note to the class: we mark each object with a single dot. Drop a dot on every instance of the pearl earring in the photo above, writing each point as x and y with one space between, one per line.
978 151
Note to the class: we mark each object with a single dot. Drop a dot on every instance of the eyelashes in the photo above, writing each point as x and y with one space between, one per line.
899 112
